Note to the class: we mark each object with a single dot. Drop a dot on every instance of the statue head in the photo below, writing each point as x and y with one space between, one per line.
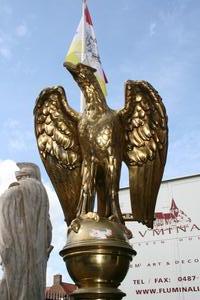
80 72
27 170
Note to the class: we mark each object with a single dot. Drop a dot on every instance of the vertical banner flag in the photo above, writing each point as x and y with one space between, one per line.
84 47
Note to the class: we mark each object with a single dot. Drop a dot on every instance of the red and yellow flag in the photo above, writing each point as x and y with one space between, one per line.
84 47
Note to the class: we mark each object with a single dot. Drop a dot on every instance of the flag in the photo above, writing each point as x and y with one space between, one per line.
84 47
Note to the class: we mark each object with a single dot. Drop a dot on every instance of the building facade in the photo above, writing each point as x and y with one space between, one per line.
167 264
59 290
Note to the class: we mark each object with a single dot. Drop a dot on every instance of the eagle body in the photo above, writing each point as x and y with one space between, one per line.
83 152
100 131
99 134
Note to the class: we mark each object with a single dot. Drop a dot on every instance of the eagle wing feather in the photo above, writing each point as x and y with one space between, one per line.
146 141
57 139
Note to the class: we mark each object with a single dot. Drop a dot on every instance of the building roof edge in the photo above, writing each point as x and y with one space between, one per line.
170 180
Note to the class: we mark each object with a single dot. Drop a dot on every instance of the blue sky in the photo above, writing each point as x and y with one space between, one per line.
158 41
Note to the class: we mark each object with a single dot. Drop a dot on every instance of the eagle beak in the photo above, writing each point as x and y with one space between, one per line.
78 68
72 68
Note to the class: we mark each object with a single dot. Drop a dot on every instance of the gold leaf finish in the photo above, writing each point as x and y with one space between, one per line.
83 153
58 144
146 147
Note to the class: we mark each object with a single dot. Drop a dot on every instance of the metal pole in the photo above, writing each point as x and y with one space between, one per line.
82 98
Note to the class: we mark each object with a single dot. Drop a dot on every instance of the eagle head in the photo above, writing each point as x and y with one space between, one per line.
80 72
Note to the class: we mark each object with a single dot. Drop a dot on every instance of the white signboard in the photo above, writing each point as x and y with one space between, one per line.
167 265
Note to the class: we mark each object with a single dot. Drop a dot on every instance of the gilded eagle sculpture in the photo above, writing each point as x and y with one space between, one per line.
83 152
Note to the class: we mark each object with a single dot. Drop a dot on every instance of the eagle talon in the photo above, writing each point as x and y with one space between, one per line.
75 225
127 232
90 216
113 218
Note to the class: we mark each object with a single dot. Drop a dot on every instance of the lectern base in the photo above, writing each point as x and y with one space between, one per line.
97 256
97 294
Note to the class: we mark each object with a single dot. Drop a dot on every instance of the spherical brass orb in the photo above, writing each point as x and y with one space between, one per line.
97 256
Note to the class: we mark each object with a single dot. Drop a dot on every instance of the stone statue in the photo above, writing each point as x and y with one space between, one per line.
83 152
25 236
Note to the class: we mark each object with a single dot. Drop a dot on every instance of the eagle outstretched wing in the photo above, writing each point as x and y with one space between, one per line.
57 138
146 141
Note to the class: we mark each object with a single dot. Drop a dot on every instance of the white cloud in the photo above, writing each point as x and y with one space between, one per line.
57 218
5 45
56 263
5 52
187 162
6 9
125 7
17 143
11 123
21 30
152 29
19 138
8 39
7 173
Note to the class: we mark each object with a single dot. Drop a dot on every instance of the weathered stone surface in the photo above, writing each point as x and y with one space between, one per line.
25 236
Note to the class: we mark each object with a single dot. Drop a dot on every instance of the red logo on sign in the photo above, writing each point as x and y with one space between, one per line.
174 216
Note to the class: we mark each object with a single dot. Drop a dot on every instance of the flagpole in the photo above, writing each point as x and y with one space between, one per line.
82 98
83 31
84 52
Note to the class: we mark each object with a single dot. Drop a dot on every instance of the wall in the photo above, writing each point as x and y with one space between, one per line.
167 265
